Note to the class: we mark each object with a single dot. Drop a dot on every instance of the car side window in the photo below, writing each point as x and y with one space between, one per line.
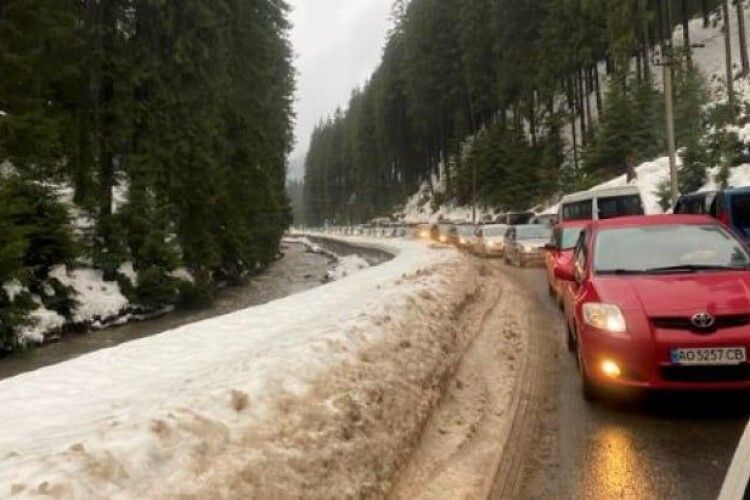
579 259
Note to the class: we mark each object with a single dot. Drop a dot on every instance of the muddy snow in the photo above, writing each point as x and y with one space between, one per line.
320 394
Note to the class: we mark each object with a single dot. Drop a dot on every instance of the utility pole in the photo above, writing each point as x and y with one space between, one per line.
666 65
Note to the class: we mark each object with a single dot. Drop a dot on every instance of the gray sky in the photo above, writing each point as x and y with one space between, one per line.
338 44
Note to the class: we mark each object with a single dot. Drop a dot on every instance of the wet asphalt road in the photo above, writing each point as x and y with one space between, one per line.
643 446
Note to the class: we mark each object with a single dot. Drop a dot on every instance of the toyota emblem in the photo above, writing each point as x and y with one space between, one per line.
703 320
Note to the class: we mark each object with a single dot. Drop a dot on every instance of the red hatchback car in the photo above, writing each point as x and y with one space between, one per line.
659 302
559 251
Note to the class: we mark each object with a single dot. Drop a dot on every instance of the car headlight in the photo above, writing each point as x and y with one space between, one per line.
604 317
462 241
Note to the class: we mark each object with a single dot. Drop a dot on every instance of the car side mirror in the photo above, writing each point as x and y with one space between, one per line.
564 271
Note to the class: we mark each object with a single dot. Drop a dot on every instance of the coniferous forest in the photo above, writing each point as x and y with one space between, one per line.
537 96
167 123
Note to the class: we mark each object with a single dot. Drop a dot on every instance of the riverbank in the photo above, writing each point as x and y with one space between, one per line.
322 393
297 271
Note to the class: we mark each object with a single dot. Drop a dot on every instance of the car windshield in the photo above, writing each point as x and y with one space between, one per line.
570 237
465 230
670 247
534 232
741 212
494 230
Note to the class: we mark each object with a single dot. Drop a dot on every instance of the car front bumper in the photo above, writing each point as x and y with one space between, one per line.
645 363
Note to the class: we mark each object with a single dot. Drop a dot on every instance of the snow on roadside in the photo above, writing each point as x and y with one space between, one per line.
317 394
98 300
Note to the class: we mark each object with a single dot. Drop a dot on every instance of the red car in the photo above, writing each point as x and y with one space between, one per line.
560 251
659 302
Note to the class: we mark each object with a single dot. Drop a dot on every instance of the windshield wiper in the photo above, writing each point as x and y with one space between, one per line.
694 268
620 271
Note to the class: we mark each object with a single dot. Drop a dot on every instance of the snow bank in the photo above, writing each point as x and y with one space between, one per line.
347 266
98 300
319 394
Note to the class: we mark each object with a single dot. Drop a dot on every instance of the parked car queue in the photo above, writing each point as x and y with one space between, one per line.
650 302
657 302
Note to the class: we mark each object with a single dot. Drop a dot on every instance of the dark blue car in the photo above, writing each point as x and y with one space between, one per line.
730 206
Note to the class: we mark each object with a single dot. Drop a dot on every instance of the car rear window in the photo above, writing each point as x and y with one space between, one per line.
619 206
741 212
533 232
578 210
495 230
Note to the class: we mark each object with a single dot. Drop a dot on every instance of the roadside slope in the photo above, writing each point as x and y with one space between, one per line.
322 393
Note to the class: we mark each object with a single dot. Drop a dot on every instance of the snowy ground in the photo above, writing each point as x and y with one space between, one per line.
318 394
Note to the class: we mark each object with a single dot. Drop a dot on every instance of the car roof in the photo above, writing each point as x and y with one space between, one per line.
652 220
738 190
601 193
697 194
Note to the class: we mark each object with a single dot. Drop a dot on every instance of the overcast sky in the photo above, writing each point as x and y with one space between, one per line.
338 44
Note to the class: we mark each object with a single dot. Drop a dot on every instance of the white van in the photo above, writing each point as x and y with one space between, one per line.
602 204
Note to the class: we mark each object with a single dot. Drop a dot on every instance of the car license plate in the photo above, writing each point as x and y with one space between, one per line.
709 356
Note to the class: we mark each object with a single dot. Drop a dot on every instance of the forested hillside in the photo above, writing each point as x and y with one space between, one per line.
538 96
168 121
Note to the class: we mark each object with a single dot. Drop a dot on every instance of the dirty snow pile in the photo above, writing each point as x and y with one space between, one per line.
319 394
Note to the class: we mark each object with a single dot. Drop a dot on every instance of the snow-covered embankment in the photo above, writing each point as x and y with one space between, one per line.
317 394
